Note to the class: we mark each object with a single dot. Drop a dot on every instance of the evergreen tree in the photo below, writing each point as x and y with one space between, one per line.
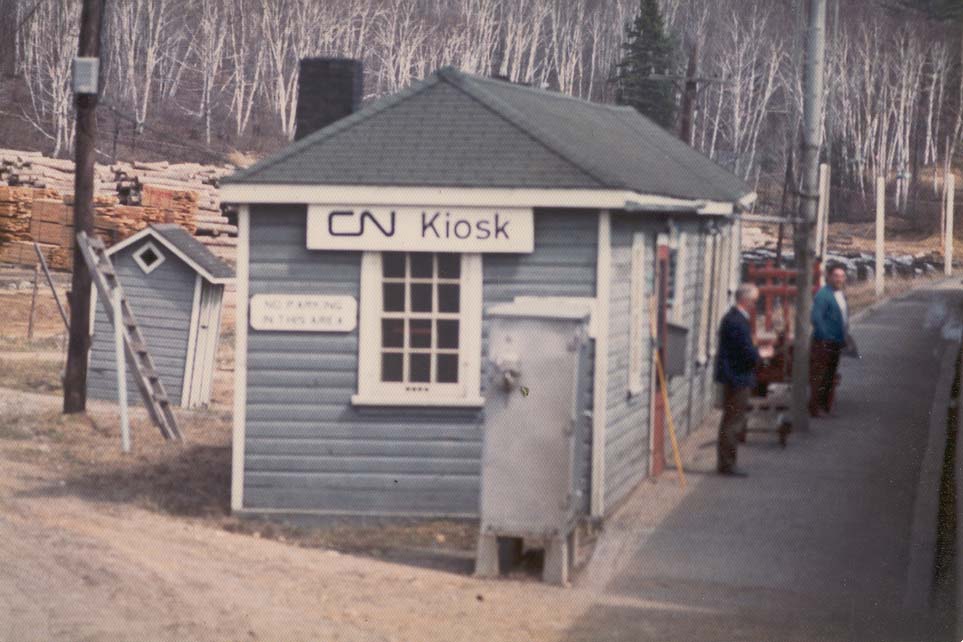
648 50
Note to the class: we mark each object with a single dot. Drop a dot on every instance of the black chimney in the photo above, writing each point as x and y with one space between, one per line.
328 90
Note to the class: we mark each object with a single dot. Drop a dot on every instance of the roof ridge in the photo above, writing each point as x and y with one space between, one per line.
335 128
471 87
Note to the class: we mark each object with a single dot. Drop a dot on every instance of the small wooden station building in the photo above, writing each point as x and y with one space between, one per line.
371 249
175 287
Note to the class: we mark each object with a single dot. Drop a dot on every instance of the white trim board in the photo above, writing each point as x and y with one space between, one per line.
148 231
240 358
268 193
603 279
187 399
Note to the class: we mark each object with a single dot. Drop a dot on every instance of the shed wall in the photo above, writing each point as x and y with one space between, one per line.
162 303
627 431
306 447
627 454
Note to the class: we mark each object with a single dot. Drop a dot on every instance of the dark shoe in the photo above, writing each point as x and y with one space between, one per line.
733 472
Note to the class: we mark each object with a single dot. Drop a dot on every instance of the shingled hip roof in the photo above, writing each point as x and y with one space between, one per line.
456 130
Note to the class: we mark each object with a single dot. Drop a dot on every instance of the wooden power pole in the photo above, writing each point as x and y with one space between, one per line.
86 92
809 202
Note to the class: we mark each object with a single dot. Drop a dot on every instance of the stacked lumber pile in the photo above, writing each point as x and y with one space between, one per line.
144 184
36 204
16 221
32 169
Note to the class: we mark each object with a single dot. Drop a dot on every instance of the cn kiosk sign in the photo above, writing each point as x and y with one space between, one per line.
420 229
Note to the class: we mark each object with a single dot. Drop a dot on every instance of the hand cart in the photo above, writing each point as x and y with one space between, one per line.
769 404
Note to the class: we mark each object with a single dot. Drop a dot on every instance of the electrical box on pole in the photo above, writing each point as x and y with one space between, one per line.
86 71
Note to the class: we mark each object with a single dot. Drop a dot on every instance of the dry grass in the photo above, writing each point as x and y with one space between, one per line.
191 480
30 375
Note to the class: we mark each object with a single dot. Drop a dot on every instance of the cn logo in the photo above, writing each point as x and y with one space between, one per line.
349 223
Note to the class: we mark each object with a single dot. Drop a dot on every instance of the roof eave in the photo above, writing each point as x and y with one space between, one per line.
197 267
615 199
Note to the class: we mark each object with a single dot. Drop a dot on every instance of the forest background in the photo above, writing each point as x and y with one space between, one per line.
204 80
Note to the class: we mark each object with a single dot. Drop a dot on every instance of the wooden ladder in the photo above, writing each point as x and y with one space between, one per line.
142 365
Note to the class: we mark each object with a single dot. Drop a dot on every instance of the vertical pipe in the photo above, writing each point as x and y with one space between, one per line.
948 247
812 139
824 241
880 233
121 372
33 301
822 209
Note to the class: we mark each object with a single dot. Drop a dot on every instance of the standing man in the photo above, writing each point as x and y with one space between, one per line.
736 362
830 317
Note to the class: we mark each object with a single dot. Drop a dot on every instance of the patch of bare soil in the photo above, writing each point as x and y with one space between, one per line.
98 545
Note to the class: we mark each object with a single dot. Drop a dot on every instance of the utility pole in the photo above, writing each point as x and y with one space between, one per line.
690 94
86 71
812 130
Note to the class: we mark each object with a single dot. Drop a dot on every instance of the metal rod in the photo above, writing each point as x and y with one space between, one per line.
880 234
948 248
53 289
33 301
763 218
121 361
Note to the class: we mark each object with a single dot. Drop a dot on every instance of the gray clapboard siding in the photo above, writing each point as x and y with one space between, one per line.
627 418
162 303
306 446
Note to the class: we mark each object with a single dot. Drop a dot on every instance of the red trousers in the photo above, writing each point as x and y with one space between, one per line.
822 374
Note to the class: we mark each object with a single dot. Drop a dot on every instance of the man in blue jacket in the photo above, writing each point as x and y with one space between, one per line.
830 317
736 362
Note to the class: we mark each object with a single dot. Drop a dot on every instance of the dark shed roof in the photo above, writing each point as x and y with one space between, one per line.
457 130
179 240
194 250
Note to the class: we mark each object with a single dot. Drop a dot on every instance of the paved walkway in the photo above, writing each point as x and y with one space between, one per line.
826 540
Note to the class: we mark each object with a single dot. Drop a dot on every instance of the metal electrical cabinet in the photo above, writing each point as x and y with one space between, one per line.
534 431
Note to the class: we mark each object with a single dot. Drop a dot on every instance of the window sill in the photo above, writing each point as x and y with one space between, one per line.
467 402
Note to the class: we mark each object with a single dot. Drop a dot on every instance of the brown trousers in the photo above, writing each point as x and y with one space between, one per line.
822 374
735 404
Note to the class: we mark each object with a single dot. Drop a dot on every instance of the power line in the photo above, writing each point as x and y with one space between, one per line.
209 152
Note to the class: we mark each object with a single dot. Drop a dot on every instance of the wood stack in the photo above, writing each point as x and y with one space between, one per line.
166 185
128 196
16 217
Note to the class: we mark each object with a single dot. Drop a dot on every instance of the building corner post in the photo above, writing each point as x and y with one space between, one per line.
600 384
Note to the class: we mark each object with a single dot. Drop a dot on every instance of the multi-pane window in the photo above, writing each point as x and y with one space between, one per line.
419 339
707 316
420 317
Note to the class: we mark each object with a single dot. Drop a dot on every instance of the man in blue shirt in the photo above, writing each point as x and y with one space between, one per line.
736 362
830 317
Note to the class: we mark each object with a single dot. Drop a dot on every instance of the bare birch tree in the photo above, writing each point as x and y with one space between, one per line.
48 45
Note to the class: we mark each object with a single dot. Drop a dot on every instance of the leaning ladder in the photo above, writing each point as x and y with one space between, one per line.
142 365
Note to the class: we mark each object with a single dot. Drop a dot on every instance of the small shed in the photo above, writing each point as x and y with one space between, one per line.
175 287
371 251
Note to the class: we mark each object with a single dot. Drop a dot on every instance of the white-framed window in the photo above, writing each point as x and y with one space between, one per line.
707 314
148 257
721 284
678 260
638 317
420 329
